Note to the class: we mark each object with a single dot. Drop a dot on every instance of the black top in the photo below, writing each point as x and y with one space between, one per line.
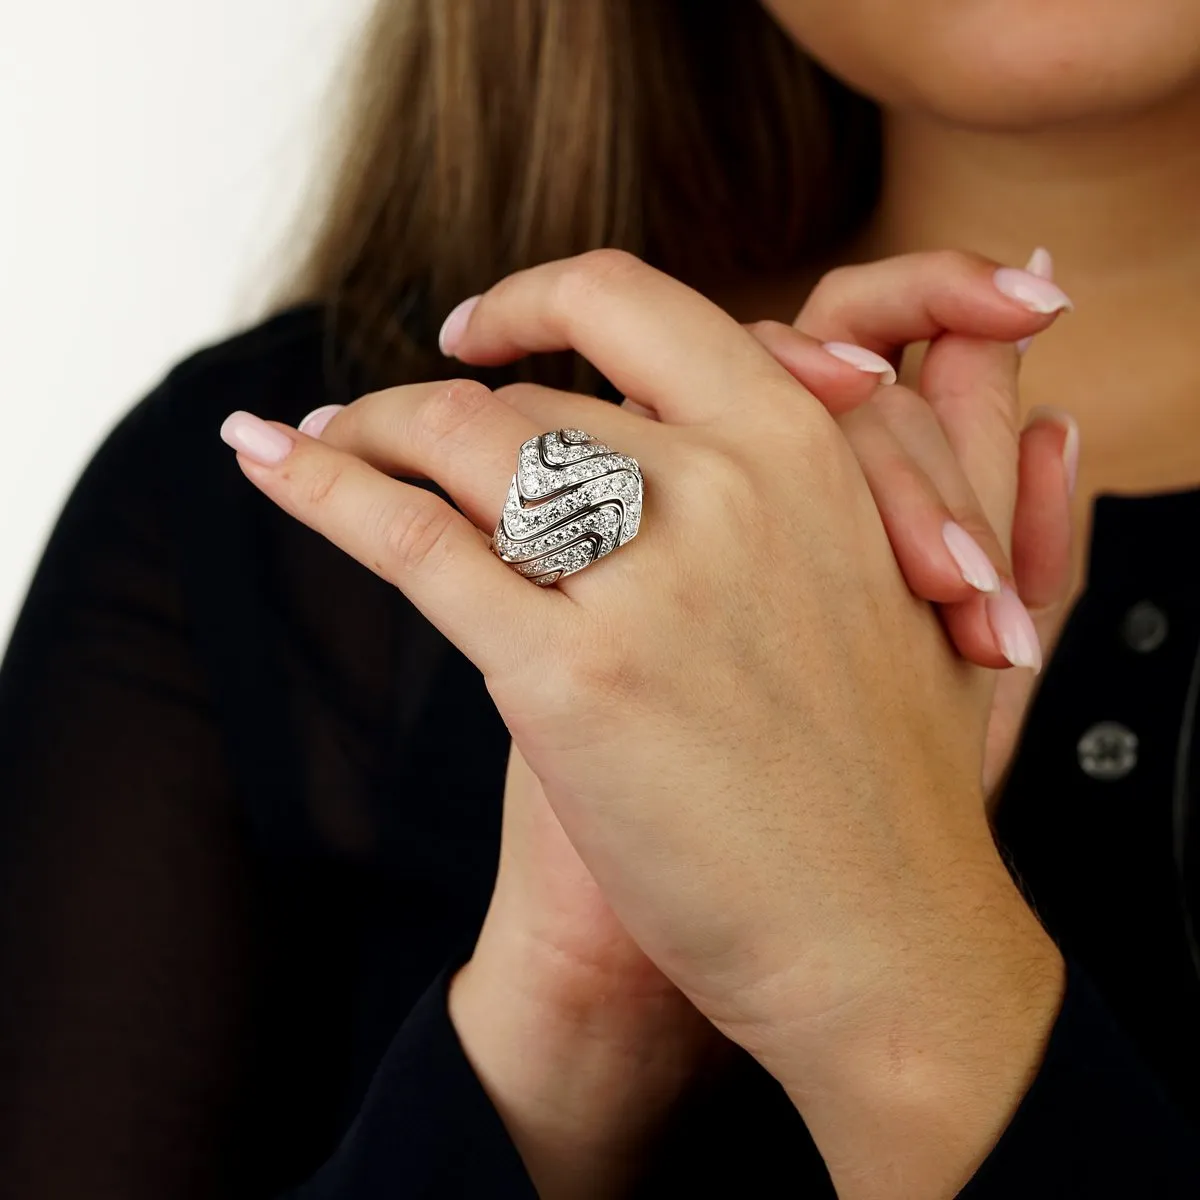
249 824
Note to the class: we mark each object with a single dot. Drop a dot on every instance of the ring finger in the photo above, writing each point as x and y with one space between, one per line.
466 436
453 431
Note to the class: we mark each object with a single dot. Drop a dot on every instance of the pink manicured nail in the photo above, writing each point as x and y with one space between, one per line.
314 424
1070 446
1034 293
1014 630
1042 265
973 563
862 358
455 326
253 437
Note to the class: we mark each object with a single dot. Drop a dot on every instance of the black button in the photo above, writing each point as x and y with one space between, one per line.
1108 751
1145 627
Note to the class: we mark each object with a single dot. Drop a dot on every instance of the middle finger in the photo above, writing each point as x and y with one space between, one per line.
657 340
454 431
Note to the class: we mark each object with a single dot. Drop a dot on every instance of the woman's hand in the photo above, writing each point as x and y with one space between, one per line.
551 943
580 1041
825 788
962 439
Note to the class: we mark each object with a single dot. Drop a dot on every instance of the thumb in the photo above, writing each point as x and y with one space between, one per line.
971 385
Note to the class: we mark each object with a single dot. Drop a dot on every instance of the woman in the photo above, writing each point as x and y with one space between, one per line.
750 930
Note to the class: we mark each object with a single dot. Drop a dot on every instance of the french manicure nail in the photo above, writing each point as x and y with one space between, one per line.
862 358
455 326
253 437
314 424
1034 293
1042 265
968 554
1014 630
1070 445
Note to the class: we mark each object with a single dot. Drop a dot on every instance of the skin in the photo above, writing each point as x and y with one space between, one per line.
550 929
1014 123
874 869
1013 66
1007 126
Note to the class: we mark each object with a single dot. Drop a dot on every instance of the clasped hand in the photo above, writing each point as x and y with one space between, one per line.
754 728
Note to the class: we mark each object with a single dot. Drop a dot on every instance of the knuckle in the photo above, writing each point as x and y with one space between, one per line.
709 477
603 673
609 259
447 411
833 282
415 535
324 482
595 272
955 264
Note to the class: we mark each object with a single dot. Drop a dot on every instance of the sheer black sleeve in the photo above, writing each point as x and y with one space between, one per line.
426 1129
1095 1122
123 891
220 899
249 816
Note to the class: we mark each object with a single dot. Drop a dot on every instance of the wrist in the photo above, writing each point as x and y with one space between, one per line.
582 1078
922 1073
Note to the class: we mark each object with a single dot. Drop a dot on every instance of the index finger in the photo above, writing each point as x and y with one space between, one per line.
887 305
652 337
972 386
406 534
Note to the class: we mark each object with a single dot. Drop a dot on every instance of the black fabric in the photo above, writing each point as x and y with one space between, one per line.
249 818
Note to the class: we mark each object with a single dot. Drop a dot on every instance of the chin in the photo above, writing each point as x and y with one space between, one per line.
1013 65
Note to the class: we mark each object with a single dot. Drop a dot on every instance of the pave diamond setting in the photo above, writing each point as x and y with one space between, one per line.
572 500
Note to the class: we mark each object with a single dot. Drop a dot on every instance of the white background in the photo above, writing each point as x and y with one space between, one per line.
153 157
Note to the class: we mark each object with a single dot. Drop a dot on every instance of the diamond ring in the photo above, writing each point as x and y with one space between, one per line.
572 500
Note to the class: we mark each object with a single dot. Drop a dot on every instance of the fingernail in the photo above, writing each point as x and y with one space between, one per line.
974 564
863 359
1034 293
455 326
1070 445
1014 630
314 424
253 437
1042 265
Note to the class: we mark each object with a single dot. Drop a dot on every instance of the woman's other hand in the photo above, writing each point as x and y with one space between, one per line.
580 1041
954 423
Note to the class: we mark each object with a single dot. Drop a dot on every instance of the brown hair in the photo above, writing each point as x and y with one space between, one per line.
484 136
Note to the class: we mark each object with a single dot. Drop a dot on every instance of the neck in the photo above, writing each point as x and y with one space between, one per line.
1118 207
1117 202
